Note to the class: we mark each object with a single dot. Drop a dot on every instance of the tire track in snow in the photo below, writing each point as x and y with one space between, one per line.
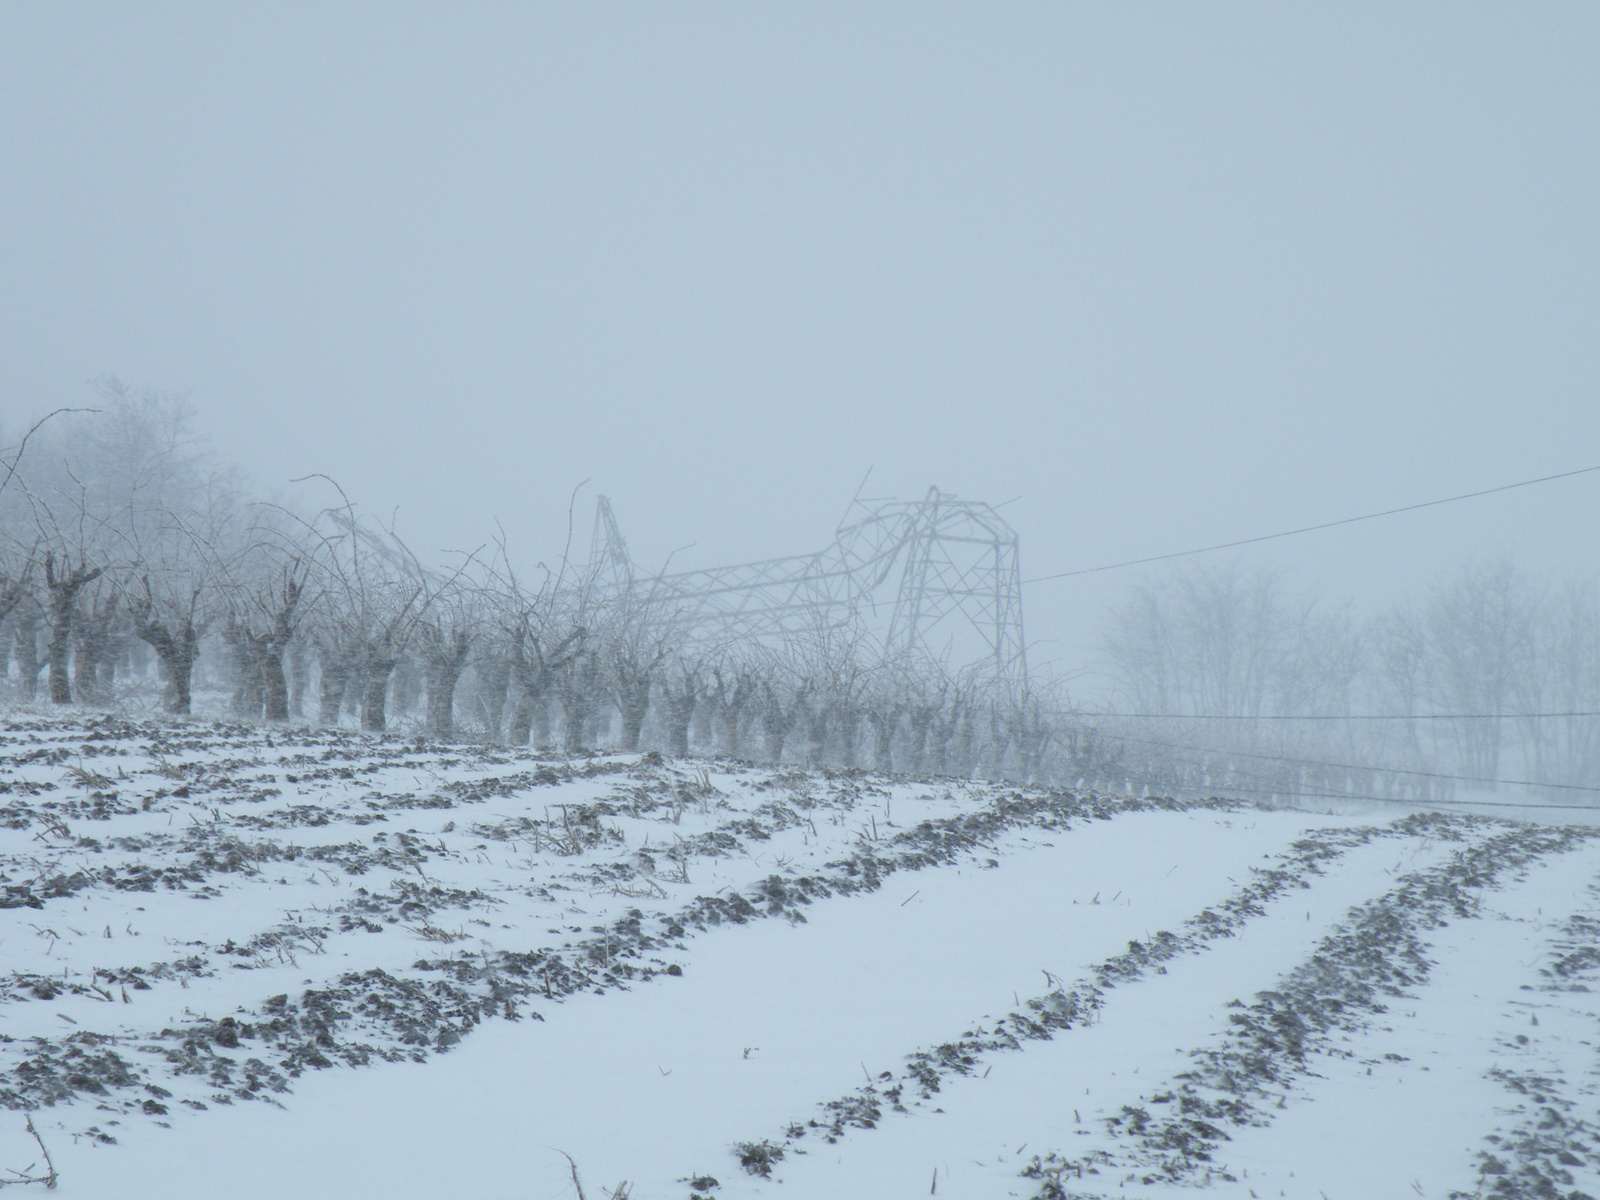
1394 1110
1246 1074
1086 1002
646 1081
389 1012
1539 1155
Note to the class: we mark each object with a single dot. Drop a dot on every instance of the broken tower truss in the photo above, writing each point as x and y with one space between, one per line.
935 579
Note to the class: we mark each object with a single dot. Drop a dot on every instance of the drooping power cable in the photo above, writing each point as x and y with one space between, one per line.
1520 716
1312 762
1267 537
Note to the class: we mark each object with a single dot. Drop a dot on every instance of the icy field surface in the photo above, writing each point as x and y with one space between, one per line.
316 964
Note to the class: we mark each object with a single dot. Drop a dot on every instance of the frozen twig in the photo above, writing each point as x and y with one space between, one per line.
49 1177
573 1167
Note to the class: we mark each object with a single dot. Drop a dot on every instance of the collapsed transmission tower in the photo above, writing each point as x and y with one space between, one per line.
935 579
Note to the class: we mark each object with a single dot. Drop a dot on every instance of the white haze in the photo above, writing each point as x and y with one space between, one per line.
1171 275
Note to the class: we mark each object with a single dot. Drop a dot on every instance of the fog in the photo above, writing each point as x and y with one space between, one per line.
1159 276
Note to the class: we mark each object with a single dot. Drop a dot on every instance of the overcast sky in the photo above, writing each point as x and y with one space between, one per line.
1167 274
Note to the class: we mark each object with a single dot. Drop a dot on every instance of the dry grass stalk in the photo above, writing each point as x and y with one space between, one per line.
23 1176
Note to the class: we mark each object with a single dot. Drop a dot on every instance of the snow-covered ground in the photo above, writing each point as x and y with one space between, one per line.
313 964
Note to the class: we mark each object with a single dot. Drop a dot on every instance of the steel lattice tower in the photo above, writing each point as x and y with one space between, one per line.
935 579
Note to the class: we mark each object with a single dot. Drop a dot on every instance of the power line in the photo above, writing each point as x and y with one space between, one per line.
1281 791
1267 537
1401 800
1115 716
1311 762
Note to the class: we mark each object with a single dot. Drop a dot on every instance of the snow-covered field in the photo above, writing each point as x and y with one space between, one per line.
272 963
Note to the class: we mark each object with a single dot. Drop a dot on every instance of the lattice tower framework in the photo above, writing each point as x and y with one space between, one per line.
935 579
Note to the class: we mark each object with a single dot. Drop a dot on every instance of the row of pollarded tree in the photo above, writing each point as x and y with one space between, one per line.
128 556
468 655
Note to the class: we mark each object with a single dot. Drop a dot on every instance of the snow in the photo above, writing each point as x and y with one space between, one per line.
781 1009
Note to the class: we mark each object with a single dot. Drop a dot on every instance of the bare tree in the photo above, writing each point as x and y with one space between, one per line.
730 697
634 654
26 618
95 645
373 597
1564 677
1479 644
277 610
682 686
338 661
491 667
784 699
15 587
883 705
63 585
172 629
578 683
445 640
539 662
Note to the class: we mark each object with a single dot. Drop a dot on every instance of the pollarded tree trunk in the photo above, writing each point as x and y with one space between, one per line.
849 722
578 687
249 690
274 687
494 683
105 682
176 647
520 730
631 670
537 673
573 722
544 731
63 588
11 651
633 705
92 663
13 592
778 717
530 721
682 695
446 659
25 648
678 718
776 727
83 664
883 721
295 669
732 702
179 662
335 667
380 662
597 728
405 688
918 754
271 646
816 725
730 719
941 740
58 651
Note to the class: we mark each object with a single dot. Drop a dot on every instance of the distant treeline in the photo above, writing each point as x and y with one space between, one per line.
134 565
1485 676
